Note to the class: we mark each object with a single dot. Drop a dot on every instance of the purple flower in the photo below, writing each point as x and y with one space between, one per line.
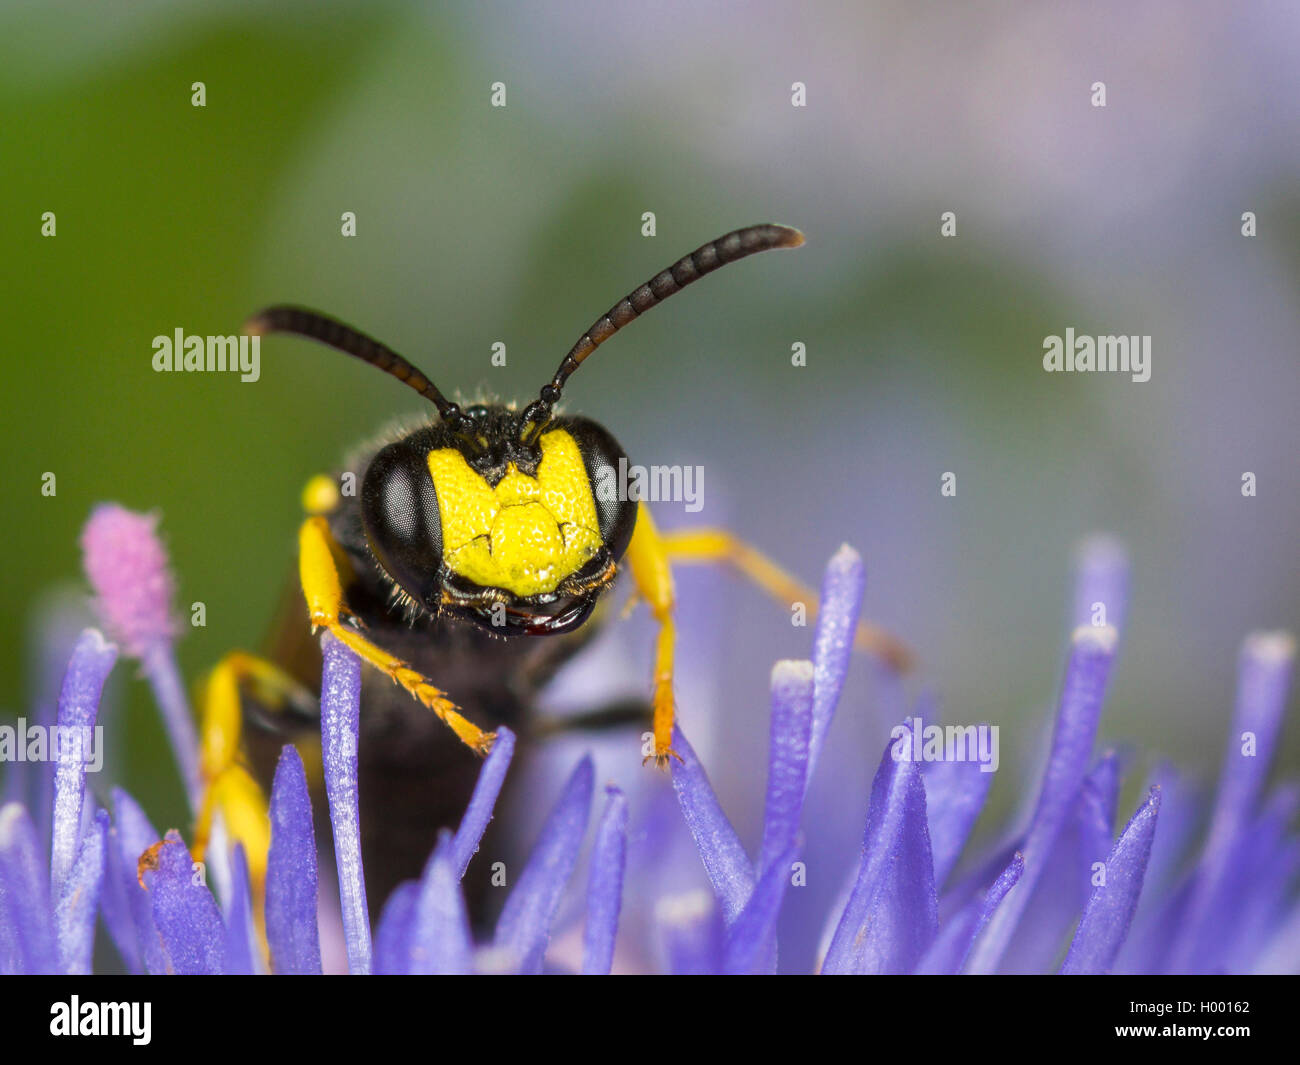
1077 717
340 706
1110 910
1223 892
425 926
291 879
892 913
47 913
605 886
899 914
1066 885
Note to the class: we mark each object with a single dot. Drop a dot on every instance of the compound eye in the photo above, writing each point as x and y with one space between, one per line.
399 509
601 454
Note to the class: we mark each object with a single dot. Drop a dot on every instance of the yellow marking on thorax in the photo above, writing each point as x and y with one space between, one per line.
320 495
528 533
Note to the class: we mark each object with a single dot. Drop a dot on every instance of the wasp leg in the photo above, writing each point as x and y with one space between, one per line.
318 569
647 557
716 545
228 785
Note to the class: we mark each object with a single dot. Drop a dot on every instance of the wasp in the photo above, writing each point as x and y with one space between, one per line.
463 573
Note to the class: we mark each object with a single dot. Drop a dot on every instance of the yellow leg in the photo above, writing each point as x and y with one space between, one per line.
228 786
318 568
648 561
716 545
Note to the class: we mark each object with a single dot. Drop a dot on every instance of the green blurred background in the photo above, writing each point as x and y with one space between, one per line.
521 224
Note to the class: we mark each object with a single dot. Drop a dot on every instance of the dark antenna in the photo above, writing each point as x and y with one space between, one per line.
703 260
305 323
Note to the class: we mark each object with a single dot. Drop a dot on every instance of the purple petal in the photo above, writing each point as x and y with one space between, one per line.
837 621
1101 579
725 860
134 836
438 937
92 659
1270 861
834 915
691 929
1098 798
26 937
893 913
790 735
241 936
525 925
1264 864
74 916
1065 885
605 886
32 783
1106 918
127 911
1264 674
160 667
292 931
394 934
184 912
750 944
481 804
1264 677
340 722
1078 713
1281 957
1180 815
951 946
1150 936
954 796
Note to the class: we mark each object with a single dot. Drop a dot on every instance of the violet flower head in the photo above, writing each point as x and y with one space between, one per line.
1064 886
1068 891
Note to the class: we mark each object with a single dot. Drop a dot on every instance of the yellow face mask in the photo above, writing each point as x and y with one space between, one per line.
526 534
